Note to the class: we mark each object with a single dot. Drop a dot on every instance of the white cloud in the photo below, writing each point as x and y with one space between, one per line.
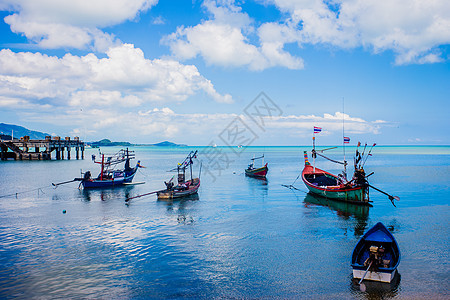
124 78
331 124
55 24
159 20
224 41
412 29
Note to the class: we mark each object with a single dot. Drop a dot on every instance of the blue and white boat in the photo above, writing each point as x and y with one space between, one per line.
376 256
110 176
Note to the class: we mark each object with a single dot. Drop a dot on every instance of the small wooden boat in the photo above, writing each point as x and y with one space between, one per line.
110 176
184 187
261 172
334 187
376 256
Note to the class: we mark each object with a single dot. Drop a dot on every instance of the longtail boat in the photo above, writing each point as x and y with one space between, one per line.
184 187
110 175
337 187
376 256
261 172
334 187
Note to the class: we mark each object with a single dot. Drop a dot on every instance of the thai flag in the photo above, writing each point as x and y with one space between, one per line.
346 140
317 129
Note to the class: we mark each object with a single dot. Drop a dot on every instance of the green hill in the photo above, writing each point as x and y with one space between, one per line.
19 131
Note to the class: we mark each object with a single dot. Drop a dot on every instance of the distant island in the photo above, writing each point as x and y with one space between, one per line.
168 144
109 143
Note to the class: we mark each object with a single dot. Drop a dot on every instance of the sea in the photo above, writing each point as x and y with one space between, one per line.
238 238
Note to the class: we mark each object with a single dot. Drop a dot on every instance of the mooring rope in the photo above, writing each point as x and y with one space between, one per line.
38 189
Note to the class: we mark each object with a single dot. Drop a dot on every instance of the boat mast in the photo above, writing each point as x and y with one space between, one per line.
103 161
343 140
314 152
190 165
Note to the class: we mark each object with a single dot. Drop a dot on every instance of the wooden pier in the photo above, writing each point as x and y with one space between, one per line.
26 149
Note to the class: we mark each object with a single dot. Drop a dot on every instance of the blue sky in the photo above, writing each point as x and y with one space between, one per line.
145 71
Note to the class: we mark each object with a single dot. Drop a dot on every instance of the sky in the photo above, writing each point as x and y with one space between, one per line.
261 72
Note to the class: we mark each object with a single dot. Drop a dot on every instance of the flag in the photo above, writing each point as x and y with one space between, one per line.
346 139
317 129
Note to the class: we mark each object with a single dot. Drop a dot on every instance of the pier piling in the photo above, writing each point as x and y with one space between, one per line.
20 149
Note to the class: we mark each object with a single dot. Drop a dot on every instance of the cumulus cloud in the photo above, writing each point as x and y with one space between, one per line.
223 40
123 78
330 123
165 123
53 24
413 30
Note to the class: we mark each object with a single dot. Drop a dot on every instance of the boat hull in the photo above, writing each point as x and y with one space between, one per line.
377 236
386 277
352 194
107 183
175 193
257 173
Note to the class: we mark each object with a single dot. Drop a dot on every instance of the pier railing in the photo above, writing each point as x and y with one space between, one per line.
26 149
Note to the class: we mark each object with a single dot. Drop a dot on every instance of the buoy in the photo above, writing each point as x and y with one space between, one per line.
64 211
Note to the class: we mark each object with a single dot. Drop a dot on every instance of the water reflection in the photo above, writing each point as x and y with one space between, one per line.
106 194
376 290
180 207
258 186
343 209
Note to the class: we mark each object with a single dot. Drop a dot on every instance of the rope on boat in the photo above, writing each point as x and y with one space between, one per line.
291 186
335 161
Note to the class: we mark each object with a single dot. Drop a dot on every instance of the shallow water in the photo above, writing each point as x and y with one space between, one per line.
239 238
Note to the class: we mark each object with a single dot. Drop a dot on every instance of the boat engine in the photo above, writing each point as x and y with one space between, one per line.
360 177
87 175
376 257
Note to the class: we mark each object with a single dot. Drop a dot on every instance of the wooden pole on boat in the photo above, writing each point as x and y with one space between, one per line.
190 165
103 160
392 198
365 272
69 181
368 154
138 196
362 155
343 141
314 153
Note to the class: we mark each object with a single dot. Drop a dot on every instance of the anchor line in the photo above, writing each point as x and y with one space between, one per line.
38 189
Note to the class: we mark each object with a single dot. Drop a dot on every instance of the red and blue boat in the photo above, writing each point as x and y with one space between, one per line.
110 175
337 187
334 187
261 172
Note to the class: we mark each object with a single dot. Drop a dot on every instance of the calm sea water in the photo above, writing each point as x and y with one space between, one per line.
240 238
